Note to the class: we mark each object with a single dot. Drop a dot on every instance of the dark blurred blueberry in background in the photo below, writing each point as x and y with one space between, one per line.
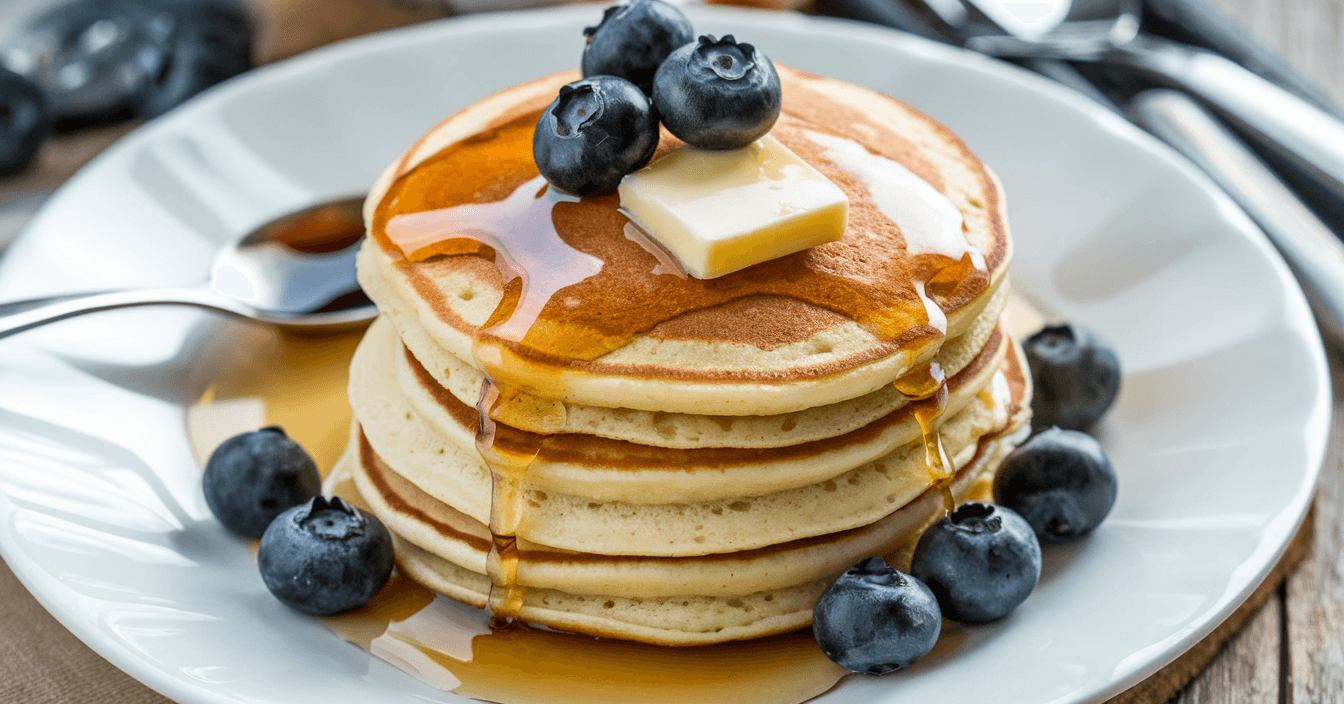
83 55
24 121
100 61
201 43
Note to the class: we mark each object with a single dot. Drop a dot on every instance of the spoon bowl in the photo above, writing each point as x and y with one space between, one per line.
296 271
302 264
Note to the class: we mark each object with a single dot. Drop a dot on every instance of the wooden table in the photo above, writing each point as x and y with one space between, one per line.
1291 651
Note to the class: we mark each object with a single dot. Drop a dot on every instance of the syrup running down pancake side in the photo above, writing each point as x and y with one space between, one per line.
926 387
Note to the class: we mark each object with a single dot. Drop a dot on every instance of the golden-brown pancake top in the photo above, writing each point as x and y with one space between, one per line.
867 276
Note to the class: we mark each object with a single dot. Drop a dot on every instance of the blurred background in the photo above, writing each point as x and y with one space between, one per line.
75 75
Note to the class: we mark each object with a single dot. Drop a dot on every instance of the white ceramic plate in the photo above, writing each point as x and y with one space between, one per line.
1217 437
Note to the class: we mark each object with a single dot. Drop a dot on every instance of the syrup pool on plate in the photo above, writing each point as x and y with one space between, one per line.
298 381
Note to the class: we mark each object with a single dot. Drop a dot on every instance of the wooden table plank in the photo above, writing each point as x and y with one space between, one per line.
1247 667
1315 603
1305 32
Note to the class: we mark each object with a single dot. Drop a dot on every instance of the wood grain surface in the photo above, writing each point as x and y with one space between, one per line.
1308 33
1289 651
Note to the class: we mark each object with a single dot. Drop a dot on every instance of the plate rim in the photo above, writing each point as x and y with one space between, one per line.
317 60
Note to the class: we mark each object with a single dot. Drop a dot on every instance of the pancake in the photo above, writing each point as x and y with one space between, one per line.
554 421
610 470
681 601
438 528
833 323
676 430
853 497
675 621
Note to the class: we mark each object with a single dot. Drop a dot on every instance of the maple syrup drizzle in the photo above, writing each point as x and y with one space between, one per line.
508 464
454 203
520 230
926 387
536 264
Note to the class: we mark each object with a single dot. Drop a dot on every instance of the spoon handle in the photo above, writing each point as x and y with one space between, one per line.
18 316
1302 133
1201 23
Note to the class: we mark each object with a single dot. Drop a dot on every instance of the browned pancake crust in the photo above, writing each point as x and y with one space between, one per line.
595 451
869 279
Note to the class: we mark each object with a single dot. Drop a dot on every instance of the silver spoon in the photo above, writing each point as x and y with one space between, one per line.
1107 31
297 270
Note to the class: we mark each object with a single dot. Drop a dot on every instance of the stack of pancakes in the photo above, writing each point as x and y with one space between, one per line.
709 455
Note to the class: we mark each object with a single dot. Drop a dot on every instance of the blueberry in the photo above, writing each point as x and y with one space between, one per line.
100 61
1075 376
86 56
874 619
1060 481
981 561
325 557
717 94
633 39
199 43
24 121
595 132
253 477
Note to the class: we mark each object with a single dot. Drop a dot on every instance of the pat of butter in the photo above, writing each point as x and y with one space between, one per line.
721 211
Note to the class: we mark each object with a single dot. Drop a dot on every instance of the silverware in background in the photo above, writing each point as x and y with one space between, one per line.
1312 249
1108 32
1315 254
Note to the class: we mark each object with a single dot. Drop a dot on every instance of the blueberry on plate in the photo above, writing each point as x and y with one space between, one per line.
980 561
595 132
1075 376
24 121
325 557
253 477
633 39
873 619
717 93
1060 481
197 43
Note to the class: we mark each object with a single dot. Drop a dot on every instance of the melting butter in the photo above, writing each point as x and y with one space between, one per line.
721 211
929 222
